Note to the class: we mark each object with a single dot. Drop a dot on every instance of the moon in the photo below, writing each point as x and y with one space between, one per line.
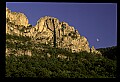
98 40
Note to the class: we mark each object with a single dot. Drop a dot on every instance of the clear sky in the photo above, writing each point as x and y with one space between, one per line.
96 21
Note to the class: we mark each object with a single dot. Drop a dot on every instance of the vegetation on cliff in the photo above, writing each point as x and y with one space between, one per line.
78 65
53 49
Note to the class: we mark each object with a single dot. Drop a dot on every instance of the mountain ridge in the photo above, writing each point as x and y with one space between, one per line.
48 30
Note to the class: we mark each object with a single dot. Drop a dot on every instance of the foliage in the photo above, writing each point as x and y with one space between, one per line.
109 52
79 65
20 38
82 65
73 35
30 26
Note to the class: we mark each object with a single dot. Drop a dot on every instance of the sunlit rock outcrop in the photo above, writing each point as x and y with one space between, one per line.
45 30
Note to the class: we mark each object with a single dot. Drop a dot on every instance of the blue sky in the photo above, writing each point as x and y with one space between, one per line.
92 20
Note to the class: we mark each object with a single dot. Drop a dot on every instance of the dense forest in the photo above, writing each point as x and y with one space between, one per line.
109 52
78 65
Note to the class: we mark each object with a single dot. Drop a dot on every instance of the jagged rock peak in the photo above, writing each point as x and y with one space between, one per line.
17 18
46 29
66 36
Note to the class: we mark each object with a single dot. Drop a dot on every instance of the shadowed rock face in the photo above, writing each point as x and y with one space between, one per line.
66 36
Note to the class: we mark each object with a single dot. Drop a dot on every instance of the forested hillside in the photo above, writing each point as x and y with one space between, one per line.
109 52
45 62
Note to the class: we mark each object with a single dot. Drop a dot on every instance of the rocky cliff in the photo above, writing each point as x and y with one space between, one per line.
16 17
48 30
66 36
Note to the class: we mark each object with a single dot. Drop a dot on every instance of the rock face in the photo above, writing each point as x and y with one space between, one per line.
93 50
46 29
16 23
17 18
66 36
